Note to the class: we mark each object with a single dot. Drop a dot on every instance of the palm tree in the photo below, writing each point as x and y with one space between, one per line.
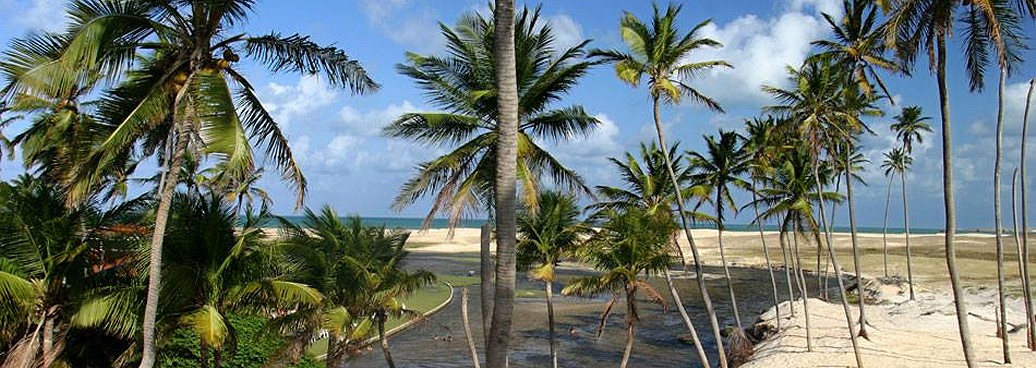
213 269
720 169
648 188
545 238
658 53
921 26
790 194
887 164
505 74
815 112
374 266
898 161
909 127
628 245
1031 320
177 96
340 259
51 267
859 46
461 181
762 151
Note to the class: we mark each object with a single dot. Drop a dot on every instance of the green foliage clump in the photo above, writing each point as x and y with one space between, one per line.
255 346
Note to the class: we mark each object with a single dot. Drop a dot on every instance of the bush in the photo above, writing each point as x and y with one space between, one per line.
255 346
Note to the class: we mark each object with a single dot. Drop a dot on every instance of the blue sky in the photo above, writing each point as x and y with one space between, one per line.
336 136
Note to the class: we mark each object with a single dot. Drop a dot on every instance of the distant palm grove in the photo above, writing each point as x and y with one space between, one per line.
196 271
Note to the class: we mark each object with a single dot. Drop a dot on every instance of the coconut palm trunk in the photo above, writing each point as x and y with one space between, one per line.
383 341
702 356
885 228
997 218
631 318
549 289
860 290
467 327
726 269
801 282
1029 321
505 191
486 278
698 270
172 177
834 264
950 207
1018 249
766 255
906 236
789 263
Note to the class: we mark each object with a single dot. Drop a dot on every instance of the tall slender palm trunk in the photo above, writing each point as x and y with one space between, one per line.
789 263
548 287
172 178
834 264
885 227
997 218
698 271
1029 320
467 327
726 269
766 255
861 291
383 341
906 237
702 356
631 312
505 191
1018 249
801 281
950 210
486 278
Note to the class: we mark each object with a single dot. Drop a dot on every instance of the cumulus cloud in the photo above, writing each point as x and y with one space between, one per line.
46 15
588 155
370 123
413 24
567 32
287 103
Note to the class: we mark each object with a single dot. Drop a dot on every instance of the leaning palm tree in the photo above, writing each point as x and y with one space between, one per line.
647 187
720 169
814 112
918 27
658 53
762 151
178 91
629 245
545 238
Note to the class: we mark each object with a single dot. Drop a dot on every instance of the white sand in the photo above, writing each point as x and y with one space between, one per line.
903 333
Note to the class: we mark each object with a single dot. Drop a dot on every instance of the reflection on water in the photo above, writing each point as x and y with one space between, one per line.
657 343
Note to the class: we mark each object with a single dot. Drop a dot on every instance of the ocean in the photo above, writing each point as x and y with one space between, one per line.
415 223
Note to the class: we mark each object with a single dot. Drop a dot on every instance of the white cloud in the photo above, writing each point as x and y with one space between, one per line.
47 15
589 155
412 25
567 32
371 123
832 7
289 102
760 49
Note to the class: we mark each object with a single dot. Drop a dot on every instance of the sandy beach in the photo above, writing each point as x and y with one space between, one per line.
903 333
